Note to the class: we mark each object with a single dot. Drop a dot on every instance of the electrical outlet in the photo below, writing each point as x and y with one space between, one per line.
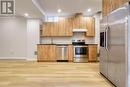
35 52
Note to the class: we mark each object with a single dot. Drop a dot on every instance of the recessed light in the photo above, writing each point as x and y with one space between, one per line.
26 14
59 10
89 10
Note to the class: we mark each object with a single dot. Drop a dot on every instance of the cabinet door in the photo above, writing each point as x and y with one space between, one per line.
104 13
40 55
55 29
77 21
92 53
69 27
115 4
121 2
46 30
90 23
52 53
106 7
70 53
61 26
46 53
110 5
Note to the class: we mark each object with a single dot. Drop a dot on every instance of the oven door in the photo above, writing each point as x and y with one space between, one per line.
80 51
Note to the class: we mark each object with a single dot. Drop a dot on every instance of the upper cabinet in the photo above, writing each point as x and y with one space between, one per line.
110 5
90 26
106 7
79 22
61 28
47 29
65 26
88 23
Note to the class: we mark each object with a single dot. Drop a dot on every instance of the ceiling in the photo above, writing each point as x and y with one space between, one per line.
69 7
27 6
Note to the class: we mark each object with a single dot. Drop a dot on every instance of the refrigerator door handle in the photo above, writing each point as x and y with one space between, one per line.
106 38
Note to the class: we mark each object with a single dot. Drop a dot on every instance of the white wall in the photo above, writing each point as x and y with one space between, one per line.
68 40
13 38
18 38
33 28
97 27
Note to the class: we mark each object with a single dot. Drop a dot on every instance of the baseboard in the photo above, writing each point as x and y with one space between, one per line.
18 58
13 58
31 59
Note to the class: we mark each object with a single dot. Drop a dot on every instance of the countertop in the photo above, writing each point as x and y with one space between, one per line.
66 44
54 44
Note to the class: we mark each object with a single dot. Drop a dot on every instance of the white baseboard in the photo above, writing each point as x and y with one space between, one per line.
13 58
18 58
31 59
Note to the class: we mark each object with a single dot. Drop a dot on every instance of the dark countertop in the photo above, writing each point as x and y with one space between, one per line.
64 44
54 44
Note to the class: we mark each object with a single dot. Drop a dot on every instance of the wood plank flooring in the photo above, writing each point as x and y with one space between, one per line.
34 74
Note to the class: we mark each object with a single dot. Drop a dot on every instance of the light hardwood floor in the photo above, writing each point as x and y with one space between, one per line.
34 74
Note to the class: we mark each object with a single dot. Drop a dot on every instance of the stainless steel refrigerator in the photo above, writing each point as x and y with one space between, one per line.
115 46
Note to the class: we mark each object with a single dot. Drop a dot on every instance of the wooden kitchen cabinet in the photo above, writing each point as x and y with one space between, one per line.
110 5
47 29
46 53
70 53
63 27
92 53
69 27
106 7
117 3
90 25
78 21
55 29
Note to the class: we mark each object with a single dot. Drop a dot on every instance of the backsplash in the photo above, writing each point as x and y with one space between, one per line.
67 40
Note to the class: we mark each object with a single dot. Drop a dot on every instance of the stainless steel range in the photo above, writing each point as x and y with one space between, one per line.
80 51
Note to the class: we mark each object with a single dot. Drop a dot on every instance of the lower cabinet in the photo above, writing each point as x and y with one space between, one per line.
70 53
46 53
92 53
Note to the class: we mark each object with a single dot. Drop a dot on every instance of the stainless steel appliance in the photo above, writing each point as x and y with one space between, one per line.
62 53
115 46
80 51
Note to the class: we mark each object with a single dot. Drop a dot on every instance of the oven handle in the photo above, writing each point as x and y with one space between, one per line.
80 46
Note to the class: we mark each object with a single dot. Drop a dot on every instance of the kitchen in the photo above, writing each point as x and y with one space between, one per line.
71 35
59 43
